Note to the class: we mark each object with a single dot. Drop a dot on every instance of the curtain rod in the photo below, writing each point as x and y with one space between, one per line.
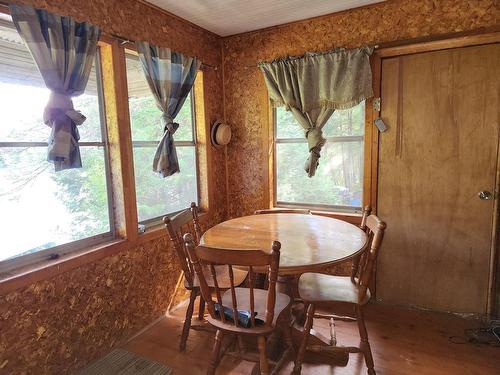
4 8
257 65
124 41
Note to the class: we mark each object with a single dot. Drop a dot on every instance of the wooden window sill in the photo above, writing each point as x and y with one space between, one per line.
350 217
27 275
353 218
158 230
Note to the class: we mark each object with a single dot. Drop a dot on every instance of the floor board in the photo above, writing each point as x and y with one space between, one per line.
403 342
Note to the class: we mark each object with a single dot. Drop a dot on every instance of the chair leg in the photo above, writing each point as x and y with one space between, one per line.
241 344
286 329
364 344
264 365
304 314
287 333
305 336
201 308
214 362
187 321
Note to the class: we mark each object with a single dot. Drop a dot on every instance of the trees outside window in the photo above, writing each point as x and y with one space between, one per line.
40 208
157 196
338 183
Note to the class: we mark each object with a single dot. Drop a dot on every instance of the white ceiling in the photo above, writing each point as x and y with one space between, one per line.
229 17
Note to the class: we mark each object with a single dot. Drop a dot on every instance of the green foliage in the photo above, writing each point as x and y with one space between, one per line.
82 193
30 182
145 120
157 196
339 177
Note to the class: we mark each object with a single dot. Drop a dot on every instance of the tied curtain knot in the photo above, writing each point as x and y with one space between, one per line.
169 124
165 159
315 138
60 115
315 142
60 106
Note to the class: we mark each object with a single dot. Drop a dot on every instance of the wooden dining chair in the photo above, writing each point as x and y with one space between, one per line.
184 222
283 211
360 258
316 289
241 311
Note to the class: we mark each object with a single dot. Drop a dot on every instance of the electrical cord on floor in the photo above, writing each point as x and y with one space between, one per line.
495 328
484 336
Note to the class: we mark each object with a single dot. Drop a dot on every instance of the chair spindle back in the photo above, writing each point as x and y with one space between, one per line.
366 212
211 257
360 258
375 231
184 222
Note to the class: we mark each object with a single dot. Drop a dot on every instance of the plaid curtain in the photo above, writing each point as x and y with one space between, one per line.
170 76
313 86
64 51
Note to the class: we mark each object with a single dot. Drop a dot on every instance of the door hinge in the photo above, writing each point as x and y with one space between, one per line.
376 104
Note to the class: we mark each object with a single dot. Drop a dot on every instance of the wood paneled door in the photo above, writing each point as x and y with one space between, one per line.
439 153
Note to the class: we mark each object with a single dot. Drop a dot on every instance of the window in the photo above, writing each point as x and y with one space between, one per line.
42 209
338 183
157 196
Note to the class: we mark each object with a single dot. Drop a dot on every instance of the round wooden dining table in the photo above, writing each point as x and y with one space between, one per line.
308 242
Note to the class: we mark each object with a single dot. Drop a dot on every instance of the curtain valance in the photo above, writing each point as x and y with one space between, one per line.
313 86
338 79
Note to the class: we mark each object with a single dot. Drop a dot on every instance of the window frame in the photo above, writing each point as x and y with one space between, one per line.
58 251
313 206
118 141
155 221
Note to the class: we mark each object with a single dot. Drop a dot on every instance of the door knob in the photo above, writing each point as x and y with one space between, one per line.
485 195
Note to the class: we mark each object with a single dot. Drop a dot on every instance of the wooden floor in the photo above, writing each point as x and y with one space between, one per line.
403 342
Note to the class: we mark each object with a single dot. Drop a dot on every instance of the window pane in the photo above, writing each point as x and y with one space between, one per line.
53 208
88 104
348 122
144 119
145 115
287 126
22 121
157 196
338 180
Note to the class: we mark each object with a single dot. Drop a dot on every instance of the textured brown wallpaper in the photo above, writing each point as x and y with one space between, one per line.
245 93
58 325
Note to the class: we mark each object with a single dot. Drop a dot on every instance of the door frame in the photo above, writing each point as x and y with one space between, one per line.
429 44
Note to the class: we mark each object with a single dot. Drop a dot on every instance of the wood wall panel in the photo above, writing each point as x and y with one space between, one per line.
245 90
58 325
439 151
